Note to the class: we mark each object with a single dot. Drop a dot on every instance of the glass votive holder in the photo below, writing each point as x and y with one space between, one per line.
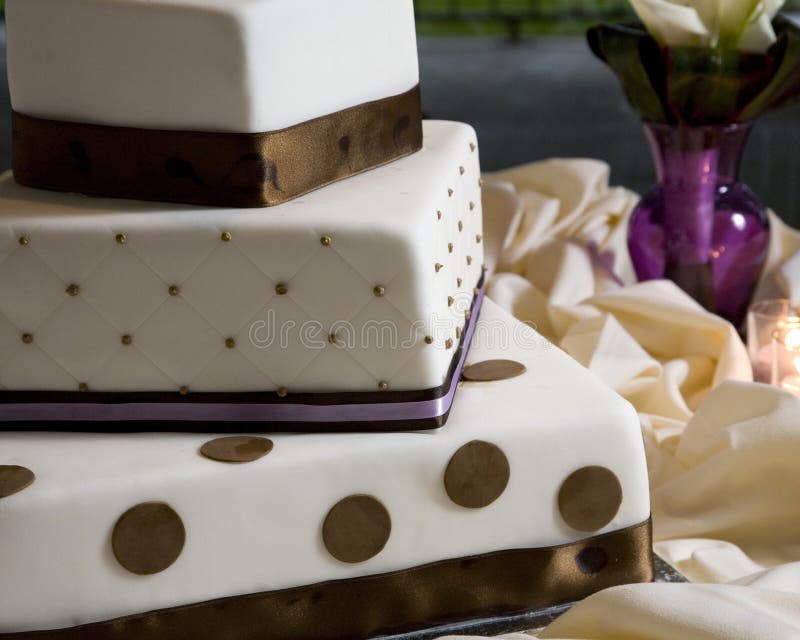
763 319
786 356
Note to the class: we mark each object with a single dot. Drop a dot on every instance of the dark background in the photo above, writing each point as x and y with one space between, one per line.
533 95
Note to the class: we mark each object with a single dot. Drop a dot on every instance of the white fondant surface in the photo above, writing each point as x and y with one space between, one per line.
211 65
385 232
257 526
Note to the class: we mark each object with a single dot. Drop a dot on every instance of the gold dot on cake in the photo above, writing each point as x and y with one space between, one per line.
467 314
450 247
476 291
326 241
184 391
472 206
493 370
174 290
458 333
333 338
591 560
282 392
121 238
480 182
379 291
237 449
383 385
73 290
438 215
356 529
83 387
27 338
126 340
450 301
439 267
148 538
281 289
428 339
477 475
590 498
450 193
472 146
226 236
478 238
469 260
448 343
459 281
230 343
14 479
461 170
460 225
24 241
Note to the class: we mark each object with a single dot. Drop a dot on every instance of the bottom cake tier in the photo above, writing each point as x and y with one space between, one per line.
534 494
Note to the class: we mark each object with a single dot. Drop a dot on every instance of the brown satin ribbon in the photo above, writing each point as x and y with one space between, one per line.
360 608
217 169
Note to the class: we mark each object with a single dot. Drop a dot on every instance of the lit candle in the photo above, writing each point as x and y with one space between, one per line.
786 357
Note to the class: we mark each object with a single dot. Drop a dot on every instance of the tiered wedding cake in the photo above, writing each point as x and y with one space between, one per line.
259 303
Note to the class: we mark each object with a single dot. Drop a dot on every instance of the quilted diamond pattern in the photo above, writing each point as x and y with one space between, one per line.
227 304
87 250
129 301
78 339
226 266
173 251
179 341
30 289
329 289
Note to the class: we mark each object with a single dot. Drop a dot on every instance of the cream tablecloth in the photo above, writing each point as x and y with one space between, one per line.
723 452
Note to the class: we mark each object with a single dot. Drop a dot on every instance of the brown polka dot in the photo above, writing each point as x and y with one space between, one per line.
83 387
24 241
477 475
73 290
126 340
356 529
184 391
461 170
237 449
174 290
230 343
450 193
590 498
226 236
383 385
148 538
379 291
428 339
14 479
326 241
121 238
281 289
27 338
591 560
438 215
282 392
490 370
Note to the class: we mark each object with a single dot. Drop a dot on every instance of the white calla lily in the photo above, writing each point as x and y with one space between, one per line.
742 24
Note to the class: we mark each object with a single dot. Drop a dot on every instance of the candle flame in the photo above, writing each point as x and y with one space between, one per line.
792 339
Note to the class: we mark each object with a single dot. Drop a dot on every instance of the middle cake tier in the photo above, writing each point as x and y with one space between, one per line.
349 308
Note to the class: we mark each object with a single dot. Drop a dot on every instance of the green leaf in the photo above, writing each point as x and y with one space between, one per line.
711 86
784 86
634 57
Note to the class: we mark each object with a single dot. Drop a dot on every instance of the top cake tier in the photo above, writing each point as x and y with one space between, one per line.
238 103
239 66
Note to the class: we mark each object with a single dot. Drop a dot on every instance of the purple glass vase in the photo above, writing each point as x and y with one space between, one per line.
699 226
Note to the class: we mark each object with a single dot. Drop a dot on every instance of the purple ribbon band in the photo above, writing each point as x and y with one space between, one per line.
250 412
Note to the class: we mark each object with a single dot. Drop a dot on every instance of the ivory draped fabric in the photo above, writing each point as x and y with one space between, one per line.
723 452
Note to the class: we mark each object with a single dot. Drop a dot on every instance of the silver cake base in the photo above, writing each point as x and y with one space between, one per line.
530 621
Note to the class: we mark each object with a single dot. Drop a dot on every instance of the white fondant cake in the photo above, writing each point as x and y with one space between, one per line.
358 287
241 66
259 526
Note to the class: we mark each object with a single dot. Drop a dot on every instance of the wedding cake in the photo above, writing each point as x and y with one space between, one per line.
210 285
